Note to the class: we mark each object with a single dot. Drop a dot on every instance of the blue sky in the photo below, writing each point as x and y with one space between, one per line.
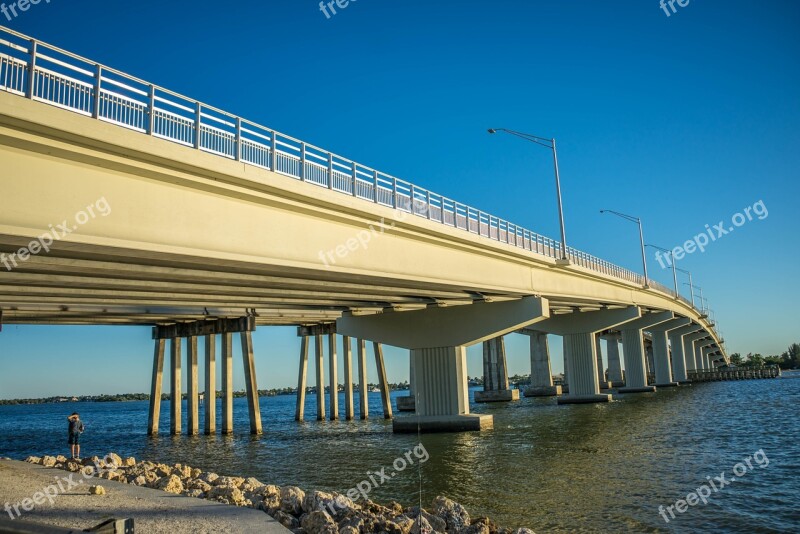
683 120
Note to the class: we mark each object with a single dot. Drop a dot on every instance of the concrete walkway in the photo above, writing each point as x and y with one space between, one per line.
153 511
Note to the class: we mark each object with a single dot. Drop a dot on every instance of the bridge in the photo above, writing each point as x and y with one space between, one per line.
125 203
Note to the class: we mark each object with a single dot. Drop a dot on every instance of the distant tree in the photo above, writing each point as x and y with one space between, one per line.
736 359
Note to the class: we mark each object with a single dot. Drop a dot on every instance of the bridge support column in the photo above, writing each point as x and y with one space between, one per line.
661 359
175 389
333 369
689 352
495 374
406 403
441 393
614 365
156 385
541 384
383 383
347 351
601 375
679 366
210 395
633 345
319 358
651 370
251 385
227 383
300 408
192 389
363 387
584 384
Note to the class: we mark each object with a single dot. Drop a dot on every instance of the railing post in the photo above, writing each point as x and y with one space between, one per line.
330 170
355 179
274 142
375 181
413 194
197 127
394 192
31 69
428 200
98 76
238 139
151 109
303 161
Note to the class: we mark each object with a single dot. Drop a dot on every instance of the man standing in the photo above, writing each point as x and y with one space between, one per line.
75 431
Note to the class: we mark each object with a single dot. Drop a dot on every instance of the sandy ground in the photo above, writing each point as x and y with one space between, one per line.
153 511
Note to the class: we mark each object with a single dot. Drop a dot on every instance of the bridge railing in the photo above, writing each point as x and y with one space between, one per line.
54 76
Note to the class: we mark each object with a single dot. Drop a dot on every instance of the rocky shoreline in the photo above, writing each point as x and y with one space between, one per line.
311 512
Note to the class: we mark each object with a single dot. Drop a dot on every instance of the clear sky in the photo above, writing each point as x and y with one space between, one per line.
684 120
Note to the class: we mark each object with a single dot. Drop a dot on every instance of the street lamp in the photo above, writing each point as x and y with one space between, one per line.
691 287
672 261
551 144
638 221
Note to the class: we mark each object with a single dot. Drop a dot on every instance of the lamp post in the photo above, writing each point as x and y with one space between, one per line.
638 221
672 261
551 144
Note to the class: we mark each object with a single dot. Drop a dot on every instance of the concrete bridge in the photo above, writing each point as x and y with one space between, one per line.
128 204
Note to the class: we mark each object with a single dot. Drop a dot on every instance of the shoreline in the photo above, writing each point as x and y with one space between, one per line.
302 512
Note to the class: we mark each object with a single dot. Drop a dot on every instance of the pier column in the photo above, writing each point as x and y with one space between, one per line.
333 369
405 403
382 382
175 389
300 409
227 383
192 389
441 393
648 350
155 388
320 360
661 359
347 350
363 387
702 364
633 347
679 367
210 396
541 382
495 373
614 364
601 374
688 350
251 385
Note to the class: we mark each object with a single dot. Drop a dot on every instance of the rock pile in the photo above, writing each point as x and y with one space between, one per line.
313 512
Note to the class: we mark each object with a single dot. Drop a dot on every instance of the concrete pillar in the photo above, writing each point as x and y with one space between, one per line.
347 350
210 396
319 358
601 373
406 402
333 369
175 389
635 374
495 373
363 387
663 370
614 364
689 352
192 389
227 383
300 408
680 368
155 388
541 384
648 350
382 382
581 364
251 385
441 393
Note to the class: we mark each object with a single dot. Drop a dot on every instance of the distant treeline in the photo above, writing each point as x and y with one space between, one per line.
787 360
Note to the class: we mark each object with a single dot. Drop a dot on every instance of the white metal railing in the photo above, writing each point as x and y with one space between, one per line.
48 74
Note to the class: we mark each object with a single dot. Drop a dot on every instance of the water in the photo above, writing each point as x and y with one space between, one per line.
552 468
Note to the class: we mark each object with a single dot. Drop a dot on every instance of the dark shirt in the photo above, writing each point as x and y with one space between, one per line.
75 426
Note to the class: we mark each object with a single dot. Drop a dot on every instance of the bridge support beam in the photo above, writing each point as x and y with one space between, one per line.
175 387
156 386
319 358
251 386
300 407
633 346
495 373
192 388
441 393
541 384
661 359
363 387
702 363
679 367
689 351
614 364
227 383
407 403
347 354
383 383
210 395
333 370
601 374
